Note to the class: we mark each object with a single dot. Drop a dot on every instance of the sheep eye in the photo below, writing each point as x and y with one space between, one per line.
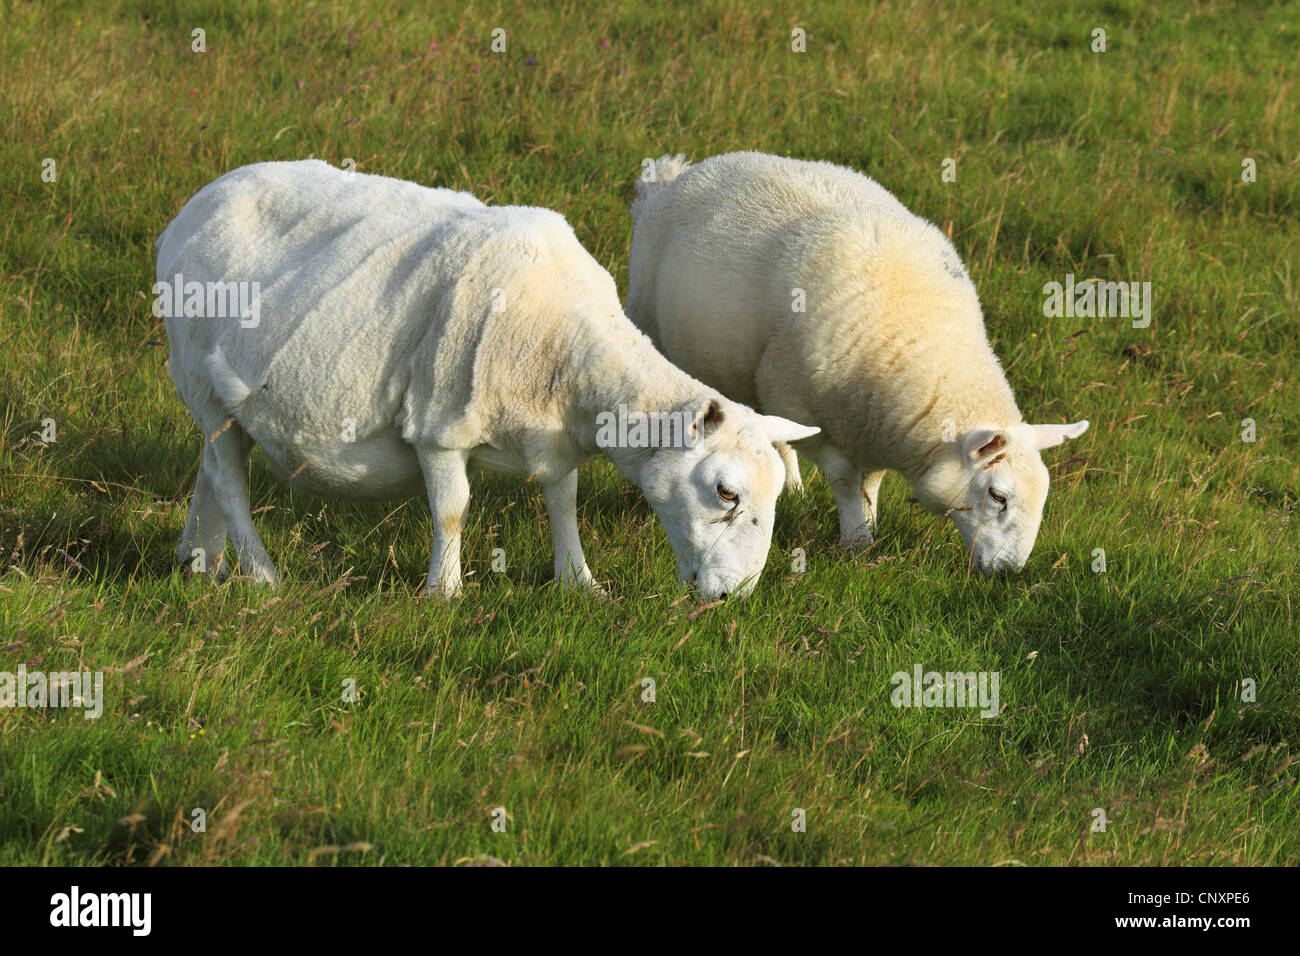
726 494
999 498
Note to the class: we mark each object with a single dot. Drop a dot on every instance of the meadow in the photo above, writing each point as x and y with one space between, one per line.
1160 692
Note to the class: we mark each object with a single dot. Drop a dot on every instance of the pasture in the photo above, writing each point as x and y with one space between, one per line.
1160 692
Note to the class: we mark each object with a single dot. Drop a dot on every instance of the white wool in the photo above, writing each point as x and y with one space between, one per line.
407 334
807 290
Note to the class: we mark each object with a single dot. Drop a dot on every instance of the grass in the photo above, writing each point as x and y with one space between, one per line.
1120 690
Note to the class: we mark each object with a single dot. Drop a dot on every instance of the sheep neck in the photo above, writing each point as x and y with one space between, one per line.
971 393
626 371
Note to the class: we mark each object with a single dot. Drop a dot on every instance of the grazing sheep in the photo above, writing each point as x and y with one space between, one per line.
807 290
376 338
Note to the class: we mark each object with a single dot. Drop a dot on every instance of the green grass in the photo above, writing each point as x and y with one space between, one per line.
1120 690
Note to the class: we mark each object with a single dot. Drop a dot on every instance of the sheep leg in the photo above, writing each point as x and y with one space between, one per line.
871 495
446 478
562 509
793 481
846 481
205 530
230 446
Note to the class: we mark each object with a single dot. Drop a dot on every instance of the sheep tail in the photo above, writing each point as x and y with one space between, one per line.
655 176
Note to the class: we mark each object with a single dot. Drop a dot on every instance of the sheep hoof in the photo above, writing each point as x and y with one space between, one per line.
257 579
859 544
217 574
585 585
438 592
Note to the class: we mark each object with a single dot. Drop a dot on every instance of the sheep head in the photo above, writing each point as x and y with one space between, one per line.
993 484
716 497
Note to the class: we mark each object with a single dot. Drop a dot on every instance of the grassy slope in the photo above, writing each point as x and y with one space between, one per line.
1121 690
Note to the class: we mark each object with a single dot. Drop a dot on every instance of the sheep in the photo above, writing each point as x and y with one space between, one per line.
806 290
393 337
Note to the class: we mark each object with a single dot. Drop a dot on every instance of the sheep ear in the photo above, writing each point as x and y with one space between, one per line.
982 443
708 418
1049 436
780 429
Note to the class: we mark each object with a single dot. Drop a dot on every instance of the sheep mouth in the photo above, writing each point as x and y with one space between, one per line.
694 582
997 567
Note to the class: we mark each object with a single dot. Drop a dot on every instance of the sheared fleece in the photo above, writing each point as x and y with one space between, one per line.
386 303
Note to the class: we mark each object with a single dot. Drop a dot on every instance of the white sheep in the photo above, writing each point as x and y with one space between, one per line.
376 338
807 290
